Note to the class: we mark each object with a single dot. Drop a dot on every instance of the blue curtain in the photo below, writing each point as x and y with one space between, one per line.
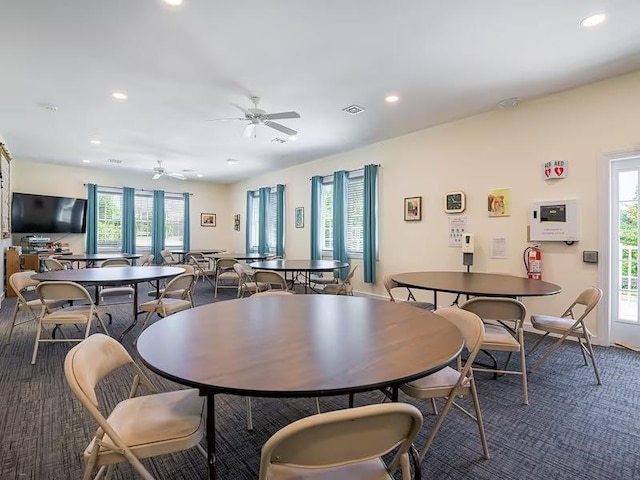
128 220
340 179
263 221
92 218
370 222
316 210
248 220
157 226
280 220
186 234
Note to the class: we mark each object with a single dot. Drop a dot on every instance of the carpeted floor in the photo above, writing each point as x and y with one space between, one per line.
572 428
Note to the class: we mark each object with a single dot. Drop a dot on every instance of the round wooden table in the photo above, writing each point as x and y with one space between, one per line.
112 276
91 258
476 284
297 346
299 267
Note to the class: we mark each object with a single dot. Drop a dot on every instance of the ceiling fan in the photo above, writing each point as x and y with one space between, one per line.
160 171
255 116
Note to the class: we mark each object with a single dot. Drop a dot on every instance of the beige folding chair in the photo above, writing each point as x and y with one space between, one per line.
271 293
271 279
450 383
202 267
66 264
21 282
226 277
568 325
167 258
246 284
390 284
105 292
503 331
166 304
146 261
345 444
52 292
138 427
342 288
52 264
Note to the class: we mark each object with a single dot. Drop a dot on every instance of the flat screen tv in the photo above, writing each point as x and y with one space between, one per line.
47 214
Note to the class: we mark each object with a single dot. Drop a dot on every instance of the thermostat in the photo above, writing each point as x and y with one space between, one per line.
590 256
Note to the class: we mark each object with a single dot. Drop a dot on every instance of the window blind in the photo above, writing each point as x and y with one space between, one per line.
109 219
355 215
174 220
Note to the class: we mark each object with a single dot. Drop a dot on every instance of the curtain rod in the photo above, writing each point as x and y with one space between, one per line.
139 189
348 171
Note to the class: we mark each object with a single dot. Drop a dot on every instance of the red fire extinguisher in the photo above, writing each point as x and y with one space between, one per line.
533 262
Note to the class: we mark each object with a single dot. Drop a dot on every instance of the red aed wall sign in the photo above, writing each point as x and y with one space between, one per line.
555 169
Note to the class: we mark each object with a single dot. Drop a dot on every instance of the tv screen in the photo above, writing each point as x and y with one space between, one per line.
47 214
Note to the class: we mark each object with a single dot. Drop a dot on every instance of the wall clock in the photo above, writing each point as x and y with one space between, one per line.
454 202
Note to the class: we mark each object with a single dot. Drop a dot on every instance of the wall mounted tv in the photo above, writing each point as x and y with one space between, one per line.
47 214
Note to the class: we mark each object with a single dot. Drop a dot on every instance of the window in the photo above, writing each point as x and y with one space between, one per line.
273 219
144 220
355 214
255 215
109 219
173 220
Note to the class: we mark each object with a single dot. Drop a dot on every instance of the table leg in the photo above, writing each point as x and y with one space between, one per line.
211 436
435 299
135 301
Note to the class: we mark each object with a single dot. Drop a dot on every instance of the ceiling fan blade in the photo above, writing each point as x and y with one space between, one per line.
281 115
246 112
177 175
249 130
224 119
156 176
281 128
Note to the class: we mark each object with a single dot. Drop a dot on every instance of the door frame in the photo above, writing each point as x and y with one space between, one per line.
605 240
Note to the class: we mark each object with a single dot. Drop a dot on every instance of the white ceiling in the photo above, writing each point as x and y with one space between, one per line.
182 66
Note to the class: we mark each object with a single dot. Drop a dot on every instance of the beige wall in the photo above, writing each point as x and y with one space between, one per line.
502 148
48 179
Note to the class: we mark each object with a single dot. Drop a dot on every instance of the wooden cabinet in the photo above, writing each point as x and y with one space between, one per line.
14 263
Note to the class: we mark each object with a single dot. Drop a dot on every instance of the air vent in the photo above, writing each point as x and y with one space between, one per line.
278 140
114 160
353 109
188 170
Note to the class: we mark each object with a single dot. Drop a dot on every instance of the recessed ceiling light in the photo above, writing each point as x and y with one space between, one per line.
391 98
119 95
173 3
232 161
86 161
95 141
293 138
199 175
593 20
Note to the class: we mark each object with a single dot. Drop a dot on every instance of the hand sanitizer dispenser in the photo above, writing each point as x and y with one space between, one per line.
468 247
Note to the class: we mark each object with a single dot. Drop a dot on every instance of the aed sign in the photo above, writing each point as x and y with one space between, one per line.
555 169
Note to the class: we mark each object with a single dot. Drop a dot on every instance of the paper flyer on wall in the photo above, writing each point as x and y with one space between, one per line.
457 227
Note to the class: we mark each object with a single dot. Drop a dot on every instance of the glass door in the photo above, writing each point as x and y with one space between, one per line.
625 316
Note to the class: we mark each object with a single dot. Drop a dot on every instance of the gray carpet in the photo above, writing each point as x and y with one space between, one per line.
571 429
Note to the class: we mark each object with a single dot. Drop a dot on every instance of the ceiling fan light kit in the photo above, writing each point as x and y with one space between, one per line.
256 116
160 171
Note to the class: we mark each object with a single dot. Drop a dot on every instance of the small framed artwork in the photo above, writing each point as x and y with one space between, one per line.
413 209
299 217
499 202
236 222
207 219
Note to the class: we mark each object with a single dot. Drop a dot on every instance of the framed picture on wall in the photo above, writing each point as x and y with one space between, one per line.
413 209
299 215
207 219
5 183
